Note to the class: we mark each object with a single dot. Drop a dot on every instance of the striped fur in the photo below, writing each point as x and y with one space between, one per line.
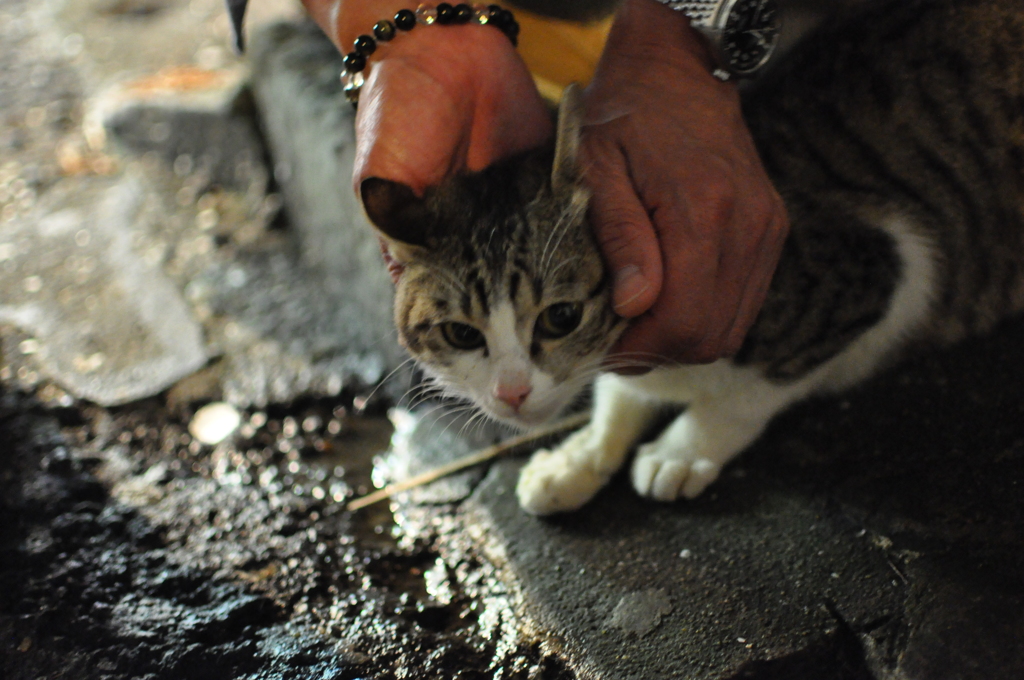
911 108
493 250
896 139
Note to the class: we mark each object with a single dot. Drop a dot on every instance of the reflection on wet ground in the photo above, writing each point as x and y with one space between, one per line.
128 542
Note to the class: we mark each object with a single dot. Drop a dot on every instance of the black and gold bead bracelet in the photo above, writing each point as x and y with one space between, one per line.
406 20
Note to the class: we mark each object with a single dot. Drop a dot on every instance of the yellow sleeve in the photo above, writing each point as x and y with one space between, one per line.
560 52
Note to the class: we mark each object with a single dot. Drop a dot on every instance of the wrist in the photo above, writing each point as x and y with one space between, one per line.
672 60
649 31
344 20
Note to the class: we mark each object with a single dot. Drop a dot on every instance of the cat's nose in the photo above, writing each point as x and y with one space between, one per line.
513 394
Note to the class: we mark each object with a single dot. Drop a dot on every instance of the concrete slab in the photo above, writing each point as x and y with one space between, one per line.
146 96
878 535
309 128
103 321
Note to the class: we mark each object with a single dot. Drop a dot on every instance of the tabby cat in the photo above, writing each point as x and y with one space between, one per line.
897 143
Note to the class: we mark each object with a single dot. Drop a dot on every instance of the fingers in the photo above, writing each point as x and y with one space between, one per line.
718 266
624 233
677 325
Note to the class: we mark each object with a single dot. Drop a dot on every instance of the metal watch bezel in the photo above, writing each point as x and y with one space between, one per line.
714 31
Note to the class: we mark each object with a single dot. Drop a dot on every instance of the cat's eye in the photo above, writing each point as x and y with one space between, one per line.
559 320
462 336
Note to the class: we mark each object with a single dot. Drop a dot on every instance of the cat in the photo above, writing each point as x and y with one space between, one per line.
896 140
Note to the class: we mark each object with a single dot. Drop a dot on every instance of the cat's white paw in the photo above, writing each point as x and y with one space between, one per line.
665 472
559 480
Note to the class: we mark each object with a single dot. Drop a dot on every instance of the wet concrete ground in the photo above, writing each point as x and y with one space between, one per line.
129 550
876 535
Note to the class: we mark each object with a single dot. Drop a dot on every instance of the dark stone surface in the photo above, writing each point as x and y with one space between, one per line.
127 551
878 534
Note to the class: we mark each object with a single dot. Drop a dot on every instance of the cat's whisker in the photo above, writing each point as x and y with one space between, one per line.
643 359
443 397
445 406
439 412
418 400
635 295
389 376
417 394
615 364
477 420
452 418
425 385
565 220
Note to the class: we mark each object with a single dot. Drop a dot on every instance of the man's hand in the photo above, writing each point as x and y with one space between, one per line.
689 223
444 99
437 99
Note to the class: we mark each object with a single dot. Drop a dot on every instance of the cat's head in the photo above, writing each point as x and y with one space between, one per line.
501 292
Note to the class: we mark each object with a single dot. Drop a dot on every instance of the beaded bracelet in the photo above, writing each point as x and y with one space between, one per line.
406 20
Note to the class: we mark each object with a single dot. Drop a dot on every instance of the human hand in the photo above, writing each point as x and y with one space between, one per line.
443 99
689 223
437 99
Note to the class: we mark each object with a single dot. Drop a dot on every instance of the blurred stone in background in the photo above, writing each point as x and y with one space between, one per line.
104 321
159 252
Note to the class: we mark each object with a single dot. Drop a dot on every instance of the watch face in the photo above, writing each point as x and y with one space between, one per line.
750 34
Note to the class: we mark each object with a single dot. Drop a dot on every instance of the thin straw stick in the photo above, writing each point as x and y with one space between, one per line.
569 423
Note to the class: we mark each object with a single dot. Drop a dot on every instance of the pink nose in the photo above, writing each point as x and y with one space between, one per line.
513 395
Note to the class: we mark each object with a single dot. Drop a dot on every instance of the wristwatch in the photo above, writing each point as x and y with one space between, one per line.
743 33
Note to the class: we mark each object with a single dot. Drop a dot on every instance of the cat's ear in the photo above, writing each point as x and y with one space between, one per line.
400 216
395 210
566 170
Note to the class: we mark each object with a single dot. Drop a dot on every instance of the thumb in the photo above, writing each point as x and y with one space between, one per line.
625 235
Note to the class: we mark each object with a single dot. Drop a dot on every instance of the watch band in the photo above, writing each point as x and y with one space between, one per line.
743 34
700 11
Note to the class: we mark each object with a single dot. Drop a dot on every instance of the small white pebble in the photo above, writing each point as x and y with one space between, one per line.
741 640
33 284
214 422
686 554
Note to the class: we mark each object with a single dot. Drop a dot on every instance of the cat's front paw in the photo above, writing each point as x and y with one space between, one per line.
667 473
557 481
